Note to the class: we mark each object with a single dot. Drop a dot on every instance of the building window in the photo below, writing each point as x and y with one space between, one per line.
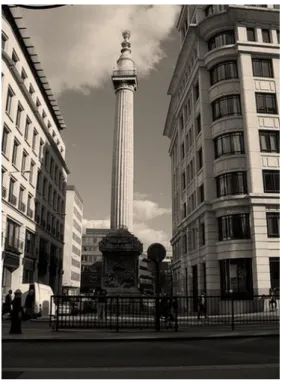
233 183
262 68
4 40
233 227
15 57
202 234
278 35
43 114
271 181
34 139
21 197
197 91
24 161
200 158
15 152
31 89
228 144
23 75
265 36
12 190
183 181
182 151
26 130
181 122
273 224
251 35
31 175
269 141
188 109
51 167
9 101
221 39
201 194
184 210
198 124
5 137
39 178
19 115
274 269
223 71
41 145
46 163
210 10
13 235
44 189
236 275
266 103
226 106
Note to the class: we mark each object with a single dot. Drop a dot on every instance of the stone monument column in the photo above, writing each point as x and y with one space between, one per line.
124 79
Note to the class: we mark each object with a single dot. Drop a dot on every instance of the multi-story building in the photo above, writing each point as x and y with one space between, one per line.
34 172
73 241
92 258
223 124
145 276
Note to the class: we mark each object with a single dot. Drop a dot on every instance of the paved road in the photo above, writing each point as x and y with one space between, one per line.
243 358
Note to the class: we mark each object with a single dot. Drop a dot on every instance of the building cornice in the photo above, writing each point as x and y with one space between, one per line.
10 14
25 93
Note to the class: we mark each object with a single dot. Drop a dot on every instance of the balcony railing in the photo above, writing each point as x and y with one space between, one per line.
13 199
124 73
29 212
22 206
13 244
4 192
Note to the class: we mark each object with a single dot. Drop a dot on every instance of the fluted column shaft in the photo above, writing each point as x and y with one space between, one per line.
122 165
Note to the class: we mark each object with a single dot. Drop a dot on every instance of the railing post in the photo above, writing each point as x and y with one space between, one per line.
57 312
232 311
157 315
176 314
117 319
50 315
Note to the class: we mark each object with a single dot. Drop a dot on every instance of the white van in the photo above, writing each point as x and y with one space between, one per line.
42 293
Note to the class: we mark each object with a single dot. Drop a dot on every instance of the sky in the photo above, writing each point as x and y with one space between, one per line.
78 47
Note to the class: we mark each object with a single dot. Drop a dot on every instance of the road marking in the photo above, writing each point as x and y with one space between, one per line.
145 369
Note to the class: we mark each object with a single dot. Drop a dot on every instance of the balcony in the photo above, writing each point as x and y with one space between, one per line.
22 206
124 73
29 212
4 192
13 244
13 199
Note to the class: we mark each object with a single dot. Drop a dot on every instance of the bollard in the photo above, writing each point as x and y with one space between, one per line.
16 313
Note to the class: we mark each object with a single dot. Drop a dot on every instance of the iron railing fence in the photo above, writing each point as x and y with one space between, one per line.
160 313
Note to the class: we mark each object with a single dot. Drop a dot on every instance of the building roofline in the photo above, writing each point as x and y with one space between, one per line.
16 22
73 188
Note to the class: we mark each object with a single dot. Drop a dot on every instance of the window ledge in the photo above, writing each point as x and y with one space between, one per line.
233 241
9 116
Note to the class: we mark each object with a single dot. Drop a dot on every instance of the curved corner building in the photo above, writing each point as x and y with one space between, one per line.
223 124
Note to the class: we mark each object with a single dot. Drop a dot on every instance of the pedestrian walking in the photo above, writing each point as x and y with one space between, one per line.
101 302
7 306
272 300
16 313
29 304
202 307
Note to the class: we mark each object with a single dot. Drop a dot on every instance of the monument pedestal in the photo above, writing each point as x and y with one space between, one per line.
121 251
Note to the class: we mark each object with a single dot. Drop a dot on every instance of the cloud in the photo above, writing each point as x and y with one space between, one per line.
80 50
147 210
144 210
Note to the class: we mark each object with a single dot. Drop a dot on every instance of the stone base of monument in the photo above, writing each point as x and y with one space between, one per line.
121 250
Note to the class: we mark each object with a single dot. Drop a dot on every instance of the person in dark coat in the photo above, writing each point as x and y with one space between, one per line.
101 295
202 308
7 307
16 313
29 304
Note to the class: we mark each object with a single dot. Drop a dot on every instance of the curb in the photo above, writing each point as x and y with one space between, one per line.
140 339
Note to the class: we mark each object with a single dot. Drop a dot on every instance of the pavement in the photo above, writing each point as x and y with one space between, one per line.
39 331
256 358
